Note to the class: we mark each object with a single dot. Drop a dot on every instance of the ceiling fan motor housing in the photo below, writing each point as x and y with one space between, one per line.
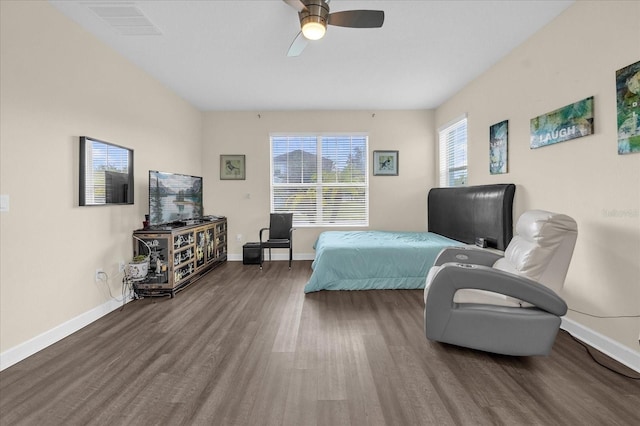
316 11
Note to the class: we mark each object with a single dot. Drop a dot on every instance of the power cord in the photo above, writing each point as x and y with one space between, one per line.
603 316
127 287
586 347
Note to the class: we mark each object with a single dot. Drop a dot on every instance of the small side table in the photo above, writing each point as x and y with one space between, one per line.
251 254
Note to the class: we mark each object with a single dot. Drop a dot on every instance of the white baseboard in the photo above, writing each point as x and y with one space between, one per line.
24 350
613 349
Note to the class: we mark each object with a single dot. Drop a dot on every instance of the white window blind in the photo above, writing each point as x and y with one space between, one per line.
322 179
453 154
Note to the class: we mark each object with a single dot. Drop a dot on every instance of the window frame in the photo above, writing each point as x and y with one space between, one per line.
319 185
450 154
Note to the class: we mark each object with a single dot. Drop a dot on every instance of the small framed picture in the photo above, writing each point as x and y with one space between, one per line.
232 167
385 163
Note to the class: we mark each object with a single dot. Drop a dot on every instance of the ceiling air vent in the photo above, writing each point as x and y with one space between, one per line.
126 20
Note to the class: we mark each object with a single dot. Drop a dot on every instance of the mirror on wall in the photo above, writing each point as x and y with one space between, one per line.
106 173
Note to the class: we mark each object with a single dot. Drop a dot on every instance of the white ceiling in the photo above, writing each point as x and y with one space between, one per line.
231 55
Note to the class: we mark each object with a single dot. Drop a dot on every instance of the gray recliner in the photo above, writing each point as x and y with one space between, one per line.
503 304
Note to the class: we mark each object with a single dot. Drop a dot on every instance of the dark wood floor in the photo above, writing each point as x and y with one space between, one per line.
248 347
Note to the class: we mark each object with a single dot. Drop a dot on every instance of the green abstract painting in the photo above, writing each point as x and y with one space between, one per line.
566 123
628 100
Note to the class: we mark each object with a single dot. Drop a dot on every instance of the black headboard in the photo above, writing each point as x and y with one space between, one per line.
465 213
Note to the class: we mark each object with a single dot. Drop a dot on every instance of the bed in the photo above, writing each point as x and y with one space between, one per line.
369 260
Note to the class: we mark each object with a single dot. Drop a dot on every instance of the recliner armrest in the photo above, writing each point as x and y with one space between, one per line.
456 276
475 256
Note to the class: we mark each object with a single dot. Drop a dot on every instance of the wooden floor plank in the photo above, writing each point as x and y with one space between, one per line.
301 407
388 383
364 402
422 395
289 322
244 346
333 413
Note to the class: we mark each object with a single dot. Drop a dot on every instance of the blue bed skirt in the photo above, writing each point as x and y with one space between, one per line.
372 260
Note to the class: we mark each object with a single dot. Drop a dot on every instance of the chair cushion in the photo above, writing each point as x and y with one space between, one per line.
276 243
472 295
539 234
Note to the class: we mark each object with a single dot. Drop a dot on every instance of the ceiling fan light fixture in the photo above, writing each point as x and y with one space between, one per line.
313 30
313 19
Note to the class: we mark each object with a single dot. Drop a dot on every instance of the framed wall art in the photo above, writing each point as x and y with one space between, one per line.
566 123
628 101
498 147
232 167
385 163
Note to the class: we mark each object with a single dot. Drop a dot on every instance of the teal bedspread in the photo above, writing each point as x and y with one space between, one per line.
370 260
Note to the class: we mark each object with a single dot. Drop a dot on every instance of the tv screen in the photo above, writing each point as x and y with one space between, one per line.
174 197
106 173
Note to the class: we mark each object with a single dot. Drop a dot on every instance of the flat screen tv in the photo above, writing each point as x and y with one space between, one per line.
106 173
174 197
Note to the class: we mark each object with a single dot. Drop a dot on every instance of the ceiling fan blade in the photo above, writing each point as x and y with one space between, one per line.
296 4
298 45
357 18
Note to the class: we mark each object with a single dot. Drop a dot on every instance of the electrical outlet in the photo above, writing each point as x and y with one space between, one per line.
99 273
121 266
239 237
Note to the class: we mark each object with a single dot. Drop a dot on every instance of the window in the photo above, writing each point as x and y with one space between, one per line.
322 179
453 153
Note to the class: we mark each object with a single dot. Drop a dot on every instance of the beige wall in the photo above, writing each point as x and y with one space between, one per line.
574 57
395 202
58 83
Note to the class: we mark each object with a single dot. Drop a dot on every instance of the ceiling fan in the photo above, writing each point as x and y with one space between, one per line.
314 16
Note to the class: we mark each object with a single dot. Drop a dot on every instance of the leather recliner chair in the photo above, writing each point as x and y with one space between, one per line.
503 304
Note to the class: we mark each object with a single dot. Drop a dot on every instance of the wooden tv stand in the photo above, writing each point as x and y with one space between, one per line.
180 254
